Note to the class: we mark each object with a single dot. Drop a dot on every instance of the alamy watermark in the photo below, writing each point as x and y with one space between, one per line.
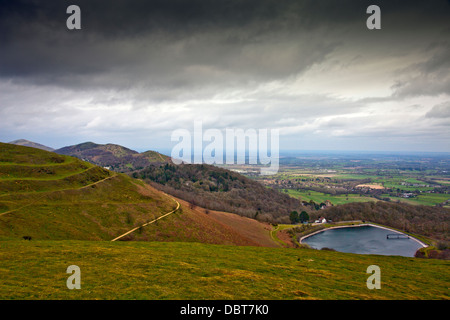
73 22
73 281
373 281
234 146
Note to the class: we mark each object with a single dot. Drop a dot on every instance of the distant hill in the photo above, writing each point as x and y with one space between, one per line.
156 157
27 143
113 156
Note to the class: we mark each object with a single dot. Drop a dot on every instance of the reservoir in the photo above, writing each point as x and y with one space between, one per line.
364 240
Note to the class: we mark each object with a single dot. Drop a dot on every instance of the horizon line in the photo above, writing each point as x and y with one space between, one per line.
281 150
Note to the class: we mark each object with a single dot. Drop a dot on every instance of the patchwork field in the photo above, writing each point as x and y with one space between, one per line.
414 179
319 197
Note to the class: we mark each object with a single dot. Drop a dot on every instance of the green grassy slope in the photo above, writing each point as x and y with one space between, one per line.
49 196
170 270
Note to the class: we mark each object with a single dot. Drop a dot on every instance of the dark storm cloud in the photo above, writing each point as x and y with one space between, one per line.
146 34
429 77
155 42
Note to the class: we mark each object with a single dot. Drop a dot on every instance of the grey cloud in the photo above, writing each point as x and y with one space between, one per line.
429 77
156 43
440 111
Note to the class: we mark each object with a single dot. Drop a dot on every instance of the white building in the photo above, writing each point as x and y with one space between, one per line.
321 220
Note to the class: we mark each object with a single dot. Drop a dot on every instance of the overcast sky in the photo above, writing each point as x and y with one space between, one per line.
138 70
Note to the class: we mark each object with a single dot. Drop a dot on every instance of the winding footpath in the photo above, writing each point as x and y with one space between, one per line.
150 222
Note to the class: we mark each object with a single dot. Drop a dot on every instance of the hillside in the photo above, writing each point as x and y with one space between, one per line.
49 196
113 156
188 271
220 189
206 226
203 185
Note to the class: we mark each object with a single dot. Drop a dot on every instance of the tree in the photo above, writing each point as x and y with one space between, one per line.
304 216
294 217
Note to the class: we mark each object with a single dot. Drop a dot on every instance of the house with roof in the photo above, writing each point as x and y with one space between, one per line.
321 220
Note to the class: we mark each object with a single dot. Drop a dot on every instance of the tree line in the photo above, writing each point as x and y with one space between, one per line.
220 189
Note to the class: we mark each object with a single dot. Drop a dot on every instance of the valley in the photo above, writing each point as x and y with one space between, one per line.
418 179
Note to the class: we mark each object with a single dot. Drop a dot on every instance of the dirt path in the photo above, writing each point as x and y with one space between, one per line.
162 159
273 235
150 222
284 241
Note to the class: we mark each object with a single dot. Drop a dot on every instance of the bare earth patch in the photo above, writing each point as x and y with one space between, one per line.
371 186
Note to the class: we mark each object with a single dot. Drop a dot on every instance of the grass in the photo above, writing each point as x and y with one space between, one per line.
43 172
94 213
428 199
162 270
276 229
70 181
60 197
319 197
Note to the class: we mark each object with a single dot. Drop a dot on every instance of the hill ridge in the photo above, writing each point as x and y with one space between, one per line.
114 156
28 143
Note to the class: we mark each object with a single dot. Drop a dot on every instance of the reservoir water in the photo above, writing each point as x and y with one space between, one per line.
363 240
